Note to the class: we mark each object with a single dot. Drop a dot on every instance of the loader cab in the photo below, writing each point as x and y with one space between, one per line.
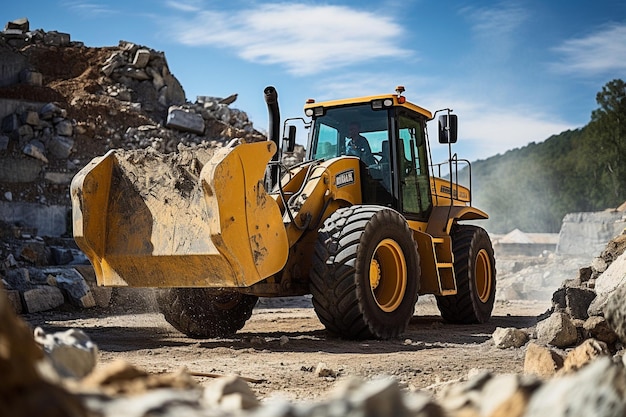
393 162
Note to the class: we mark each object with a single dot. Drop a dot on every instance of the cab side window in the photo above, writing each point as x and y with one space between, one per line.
327 142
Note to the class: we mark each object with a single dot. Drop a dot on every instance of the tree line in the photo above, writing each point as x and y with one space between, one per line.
534 187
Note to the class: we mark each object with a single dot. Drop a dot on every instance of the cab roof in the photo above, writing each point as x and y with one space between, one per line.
397 102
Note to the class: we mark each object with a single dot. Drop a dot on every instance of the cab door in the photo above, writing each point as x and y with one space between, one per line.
412 166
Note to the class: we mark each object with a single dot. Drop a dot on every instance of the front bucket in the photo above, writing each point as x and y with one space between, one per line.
199 218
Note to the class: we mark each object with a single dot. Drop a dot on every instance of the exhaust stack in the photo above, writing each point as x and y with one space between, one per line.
271 98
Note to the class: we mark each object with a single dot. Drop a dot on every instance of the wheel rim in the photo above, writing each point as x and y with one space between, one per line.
482 275
388 275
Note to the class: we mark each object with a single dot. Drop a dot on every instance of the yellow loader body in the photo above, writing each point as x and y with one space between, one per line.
363 224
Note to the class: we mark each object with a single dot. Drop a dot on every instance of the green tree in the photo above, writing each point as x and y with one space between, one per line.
608 126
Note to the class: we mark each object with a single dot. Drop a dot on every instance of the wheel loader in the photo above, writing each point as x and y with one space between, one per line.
364 235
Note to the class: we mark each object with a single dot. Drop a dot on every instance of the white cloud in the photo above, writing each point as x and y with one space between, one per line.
496 22
495 28
185 6
595 54
306 39
89 9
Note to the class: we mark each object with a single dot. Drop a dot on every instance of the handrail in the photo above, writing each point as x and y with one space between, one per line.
453 164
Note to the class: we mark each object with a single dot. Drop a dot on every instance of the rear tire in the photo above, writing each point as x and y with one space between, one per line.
475 271
365 274
206 312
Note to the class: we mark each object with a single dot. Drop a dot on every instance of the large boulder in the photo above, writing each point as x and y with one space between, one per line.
542 361
607 283
504 338
557 330
597 390
72 353
615 312
42 298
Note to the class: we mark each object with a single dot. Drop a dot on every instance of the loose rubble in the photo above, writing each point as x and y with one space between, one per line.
59 369
585 322
590 306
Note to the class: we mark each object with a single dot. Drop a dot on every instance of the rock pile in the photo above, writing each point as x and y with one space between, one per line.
141 75
586 320
193 124
23 390
17 34
598 389
42 274
587 313
42 135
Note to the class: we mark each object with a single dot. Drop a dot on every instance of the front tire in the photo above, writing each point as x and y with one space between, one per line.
475 271
366 273
206 312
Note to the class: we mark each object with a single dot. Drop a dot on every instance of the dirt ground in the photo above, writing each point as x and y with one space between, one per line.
282 344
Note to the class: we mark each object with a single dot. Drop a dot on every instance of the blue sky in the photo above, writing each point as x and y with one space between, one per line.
514 71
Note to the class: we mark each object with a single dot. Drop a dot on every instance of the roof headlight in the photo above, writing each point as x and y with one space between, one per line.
380 103
314 111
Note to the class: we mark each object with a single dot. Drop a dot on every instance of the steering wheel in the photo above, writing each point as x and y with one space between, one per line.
378 156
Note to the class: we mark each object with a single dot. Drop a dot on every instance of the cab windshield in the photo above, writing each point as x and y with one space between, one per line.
352 130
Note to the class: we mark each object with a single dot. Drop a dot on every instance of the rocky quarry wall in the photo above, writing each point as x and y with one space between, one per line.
584 233
63 103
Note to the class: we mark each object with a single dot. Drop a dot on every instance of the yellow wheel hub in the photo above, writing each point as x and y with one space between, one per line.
483 275
374 273
388 275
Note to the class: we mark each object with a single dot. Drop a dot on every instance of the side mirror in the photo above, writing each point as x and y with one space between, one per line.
290 139
448 128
